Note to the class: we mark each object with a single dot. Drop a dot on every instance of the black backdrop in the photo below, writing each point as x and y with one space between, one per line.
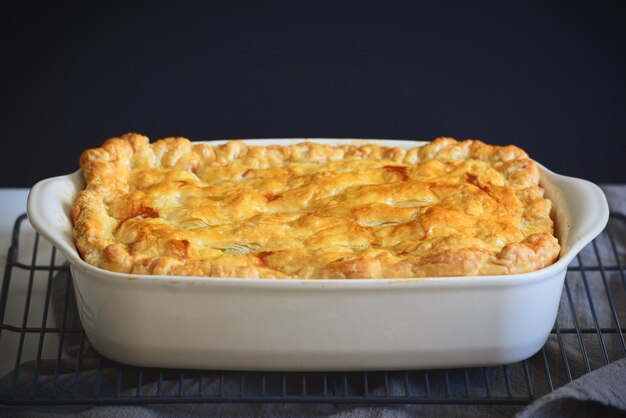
549 77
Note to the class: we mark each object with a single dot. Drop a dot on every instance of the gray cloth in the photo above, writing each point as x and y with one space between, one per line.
586 387
601 393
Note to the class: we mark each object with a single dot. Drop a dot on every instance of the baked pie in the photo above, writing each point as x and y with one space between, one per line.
312 211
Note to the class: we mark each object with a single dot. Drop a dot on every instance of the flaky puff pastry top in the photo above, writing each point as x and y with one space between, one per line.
311 211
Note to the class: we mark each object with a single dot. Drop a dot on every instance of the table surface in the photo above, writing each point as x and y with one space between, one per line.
12 205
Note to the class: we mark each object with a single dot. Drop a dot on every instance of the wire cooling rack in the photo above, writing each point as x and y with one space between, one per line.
46 359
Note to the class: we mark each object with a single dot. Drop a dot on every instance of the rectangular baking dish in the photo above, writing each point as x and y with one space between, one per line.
278 324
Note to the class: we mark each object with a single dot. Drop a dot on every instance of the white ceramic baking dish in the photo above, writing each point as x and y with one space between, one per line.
274 324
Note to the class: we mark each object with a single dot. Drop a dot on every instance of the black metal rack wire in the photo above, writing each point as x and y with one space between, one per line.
48 360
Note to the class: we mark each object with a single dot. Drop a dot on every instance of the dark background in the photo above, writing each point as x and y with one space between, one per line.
549 77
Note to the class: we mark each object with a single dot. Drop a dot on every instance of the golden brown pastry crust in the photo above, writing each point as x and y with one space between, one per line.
308 210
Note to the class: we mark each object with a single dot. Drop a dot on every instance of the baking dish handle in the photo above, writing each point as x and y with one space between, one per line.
49 203
586 211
